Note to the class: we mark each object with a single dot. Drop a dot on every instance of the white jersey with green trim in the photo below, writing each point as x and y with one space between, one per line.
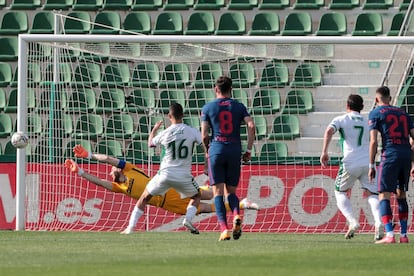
354 138
177 142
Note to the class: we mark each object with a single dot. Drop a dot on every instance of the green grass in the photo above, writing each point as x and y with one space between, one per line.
255 254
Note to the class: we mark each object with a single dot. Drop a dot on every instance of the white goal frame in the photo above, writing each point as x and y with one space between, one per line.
24 39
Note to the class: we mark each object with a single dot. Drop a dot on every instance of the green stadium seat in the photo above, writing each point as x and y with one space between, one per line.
88 126
193 121
175 75
25 4
241 96
243 75
78 22
115 75
266 101
332 23
271 152
119 126
231 23
285 127
377 4
2 4
167 97
273 4
87 5
43 23
178 4
12 103
117 5
207 74
368 24
145 125
198 154
318 53
297 23
265 23
138 152
298 102
82 100
106 22
111 148
95 47
168 23
58 4
87 75
6 125
68 150
65 125
44 103
111 100
242 4
343 4
274 75
157 50
8 48
137 23
142 5
200 23
14 22
197 99
307 75
146 75
3 100
396 24
34 125
261 126
209 4
65 74
141 100
308 4
404 4
6 74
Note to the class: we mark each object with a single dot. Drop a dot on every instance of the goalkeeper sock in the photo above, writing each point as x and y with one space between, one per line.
221 212
344 205
191 212
234 204
374 203
136 214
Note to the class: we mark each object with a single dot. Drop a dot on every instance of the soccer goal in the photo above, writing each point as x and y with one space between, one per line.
106 91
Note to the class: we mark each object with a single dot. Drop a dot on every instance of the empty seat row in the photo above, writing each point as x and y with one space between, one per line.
199 23
173 75
95 5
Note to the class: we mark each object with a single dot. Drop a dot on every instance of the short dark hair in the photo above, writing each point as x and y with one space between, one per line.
224 84
176 110
355 102
384 91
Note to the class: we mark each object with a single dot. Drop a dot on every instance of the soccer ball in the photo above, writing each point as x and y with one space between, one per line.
19 140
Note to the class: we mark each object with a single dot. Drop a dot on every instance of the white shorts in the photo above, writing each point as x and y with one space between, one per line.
183 183
347 177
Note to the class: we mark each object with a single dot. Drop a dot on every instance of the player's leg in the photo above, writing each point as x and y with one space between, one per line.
343 182
373 201
191 213
137 212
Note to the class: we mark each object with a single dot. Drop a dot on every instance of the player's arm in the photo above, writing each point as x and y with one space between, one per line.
412 151
153 133
74 167
373 147
251 134
81 152
205 138
327 138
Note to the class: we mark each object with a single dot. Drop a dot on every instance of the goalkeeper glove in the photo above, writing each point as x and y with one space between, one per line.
73 166
81 152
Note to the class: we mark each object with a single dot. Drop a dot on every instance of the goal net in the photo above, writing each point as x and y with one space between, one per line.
106 92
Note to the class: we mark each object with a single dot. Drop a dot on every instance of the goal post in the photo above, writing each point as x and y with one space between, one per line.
106 92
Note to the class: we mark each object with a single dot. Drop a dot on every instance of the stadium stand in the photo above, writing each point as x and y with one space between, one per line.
110 147
168 23
140 100
137 22
200 23
14 22
111 100
43 23
332 23
231 23
106 22
119 126
8 48
6 74
273 4
297 23
265 23
368 24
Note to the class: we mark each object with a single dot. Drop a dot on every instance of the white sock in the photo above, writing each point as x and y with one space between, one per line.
191 212
374 203
344 205
135 215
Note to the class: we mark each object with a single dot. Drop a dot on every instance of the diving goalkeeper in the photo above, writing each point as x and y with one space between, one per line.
131 181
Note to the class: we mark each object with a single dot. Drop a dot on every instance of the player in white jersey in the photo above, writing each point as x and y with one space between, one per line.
177 142
354 135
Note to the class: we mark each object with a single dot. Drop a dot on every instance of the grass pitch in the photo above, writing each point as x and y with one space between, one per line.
256 254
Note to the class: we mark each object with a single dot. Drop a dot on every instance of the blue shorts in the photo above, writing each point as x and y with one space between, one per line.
224 168
394 174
